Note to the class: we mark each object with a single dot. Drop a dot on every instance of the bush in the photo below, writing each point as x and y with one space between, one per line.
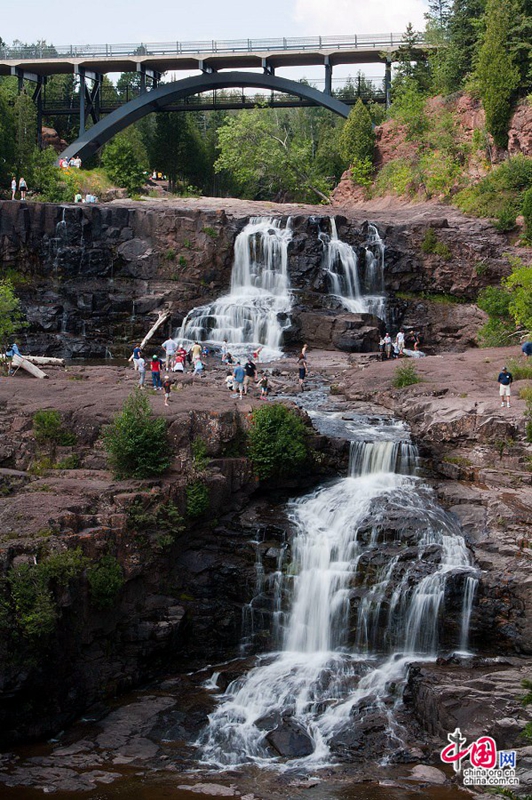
277 442
396 176
199 454
501 192
136 442
48 428
526 211
405 375
105 581
198 500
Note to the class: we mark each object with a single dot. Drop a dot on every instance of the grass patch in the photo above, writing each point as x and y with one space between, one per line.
405 375
521 370
500 194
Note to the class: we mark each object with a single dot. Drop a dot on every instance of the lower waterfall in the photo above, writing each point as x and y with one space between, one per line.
362 597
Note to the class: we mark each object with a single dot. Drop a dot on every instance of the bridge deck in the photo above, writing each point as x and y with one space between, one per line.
176 56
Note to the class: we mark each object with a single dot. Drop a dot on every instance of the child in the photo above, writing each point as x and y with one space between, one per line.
263 383
229 381
167 386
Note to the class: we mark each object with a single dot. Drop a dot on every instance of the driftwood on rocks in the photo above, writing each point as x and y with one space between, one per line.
22 363
163 315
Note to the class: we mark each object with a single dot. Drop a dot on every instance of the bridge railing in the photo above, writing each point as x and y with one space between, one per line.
348 42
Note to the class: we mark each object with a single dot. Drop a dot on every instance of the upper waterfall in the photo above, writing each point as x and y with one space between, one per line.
255 312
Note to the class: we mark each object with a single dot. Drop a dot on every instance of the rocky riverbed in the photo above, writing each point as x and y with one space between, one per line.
182 601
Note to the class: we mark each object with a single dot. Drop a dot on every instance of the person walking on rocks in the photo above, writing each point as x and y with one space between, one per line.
134 357
505 380
141 367
250 372
238 378
387 345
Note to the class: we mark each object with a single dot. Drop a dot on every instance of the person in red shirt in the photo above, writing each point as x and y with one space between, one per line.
155 366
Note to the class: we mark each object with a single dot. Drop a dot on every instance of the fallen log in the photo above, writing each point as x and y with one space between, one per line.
22 363
163 315
46 360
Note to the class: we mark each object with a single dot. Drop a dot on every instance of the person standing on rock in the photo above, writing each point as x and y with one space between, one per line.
167 388
302 367
155 367
505 380
169 347
13 188
387 345
400 339
141 367
22 186
134 357
195 352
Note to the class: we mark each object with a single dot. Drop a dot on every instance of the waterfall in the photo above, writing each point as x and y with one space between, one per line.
360 288
363 597
255 312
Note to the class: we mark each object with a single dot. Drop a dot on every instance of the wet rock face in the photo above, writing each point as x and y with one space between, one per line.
93 277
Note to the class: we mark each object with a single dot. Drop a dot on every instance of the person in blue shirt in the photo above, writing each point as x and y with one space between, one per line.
505 380
238 378
526 348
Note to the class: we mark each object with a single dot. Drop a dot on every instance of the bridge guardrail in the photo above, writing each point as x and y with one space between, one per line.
348 42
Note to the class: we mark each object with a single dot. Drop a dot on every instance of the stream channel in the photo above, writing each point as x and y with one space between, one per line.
358 594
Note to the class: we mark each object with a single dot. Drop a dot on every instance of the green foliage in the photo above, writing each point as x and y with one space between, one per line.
396 176
277 442
439 172
11 317
198 500
500 192
48 428
136 443
268 159
147 516
408 109
526 210
497 75
199 454
412 67
405 375
519 286
211 232
430 244
31 602
169 254
125 161
106 580
527 699
68 462
362 172
357 139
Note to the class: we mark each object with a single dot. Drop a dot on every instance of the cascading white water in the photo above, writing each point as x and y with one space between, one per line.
359 290
370 559
255 312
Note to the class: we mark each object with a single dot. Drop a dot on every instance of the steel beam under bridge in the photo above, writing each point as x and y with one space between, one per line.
157 99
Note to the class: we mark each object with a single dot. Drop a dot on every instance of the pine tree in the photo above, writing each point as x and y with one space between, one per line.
497 74
357 140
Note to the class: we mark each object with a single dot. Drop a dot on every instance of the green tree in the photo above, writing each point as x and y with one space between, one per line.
7 136
266 159
412 64
519 286
125 160
177 149
527 214
25 134
497 75
136 442
357 139
11 317
278 442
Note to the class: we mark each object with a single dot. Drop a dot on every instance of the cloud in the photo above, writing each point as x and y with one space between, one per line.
316 17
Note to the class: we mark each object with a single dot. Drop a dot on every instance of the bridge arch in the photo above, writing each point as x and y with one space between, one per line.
157 99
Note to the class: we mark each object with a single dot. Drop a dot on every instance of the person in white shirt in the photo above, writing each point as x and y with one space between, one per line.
169 347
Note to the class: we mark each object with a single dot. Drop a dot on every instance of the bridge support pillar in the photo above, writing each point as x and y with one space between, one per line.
37 96
328 76
388 81
267 68
150 74
90 100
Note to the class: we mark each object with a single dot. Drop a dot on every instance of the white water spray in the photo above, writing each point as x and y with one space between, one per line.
370 560
255 312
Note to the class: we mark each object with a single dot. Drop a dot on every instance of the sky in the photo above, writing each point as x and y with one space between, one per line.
131 21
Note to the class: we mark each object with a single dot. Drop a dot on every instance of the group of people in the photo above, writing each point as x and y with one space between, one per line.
75 162
22 187
177 359
395 348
